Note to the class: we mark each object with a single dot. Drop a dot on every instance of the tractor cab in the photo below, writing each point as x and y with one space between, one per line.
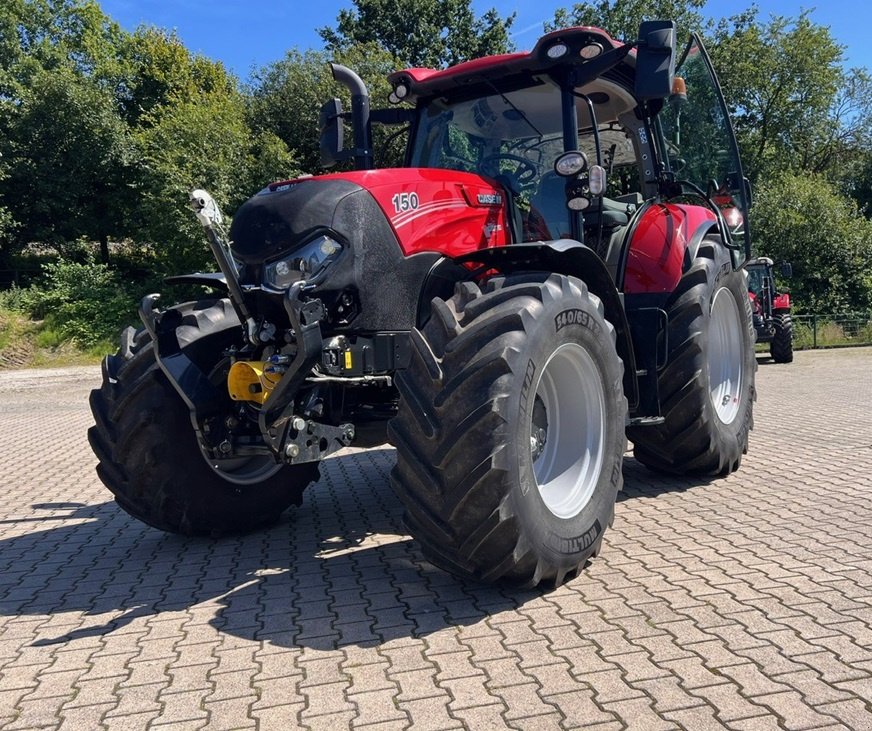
580 134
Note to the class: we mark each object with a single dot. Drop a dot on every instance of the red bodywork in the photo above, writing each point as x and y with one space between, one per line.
446 211
756 307
781 303
655 260
422 81
455 213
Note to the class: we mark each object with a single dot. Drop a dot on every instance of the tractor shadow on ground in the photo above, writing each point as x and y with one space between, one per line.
642 483
764 359
339 571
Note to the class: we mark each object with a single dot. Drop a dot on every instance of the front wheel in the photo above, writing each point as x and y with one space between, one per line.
707 386
148 453
781 347
510 430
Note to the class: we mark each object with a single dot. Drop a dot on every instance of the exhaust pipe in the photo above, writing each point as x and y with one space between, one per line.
363 157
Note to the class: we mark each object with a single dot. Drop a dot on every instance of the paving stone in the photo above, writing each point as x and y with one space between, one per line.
430 714
377 706
715 603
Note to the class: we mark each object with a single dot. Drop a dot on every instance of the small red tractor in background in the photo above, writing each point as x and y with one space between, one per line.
771 308
546 276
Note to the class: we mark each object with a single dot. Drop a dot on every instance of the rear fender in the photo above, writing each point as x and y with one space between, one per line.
562 256
781 303
662 246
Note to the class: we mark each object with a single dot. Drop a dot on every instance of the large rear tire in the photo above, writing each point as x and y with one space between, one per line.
707 387
510 430
148 454
781 347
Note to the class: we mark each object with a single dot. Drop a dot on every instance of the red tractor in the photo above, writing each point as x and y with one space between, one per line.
770 308
546 276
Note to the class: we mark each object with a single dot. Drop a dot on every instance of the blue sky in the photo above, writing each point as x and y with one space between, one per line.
243 35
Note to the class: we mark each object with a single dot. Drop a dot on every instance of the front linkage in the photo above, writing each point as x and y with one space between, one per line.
288 436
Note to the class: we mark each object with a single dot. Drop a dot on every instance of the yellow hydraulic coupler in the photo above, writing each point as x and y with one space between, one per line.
252 380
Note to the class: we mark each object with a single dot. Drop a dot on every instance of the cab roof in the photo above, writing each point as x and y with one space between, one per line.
429 82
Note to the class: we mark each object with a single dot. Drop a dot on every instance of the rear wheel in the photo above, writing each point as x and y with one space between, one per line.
510 431
781 347
707 387
148 453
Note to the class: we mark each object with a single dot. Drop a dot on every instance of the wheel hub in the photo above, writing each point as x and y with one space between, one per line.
539 428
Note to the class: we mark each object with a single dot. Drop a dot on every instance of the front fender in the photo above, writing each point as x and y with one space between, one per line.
565 256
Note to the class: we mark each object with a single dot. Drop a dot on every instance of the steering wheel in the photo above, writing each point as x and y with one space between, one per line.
525 171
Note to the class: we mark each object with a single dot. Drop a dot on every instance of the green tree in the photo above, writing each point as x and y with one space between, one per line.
69 157
160 70
190 128
430 33
285 97
794 106
63 52
802 218
621 18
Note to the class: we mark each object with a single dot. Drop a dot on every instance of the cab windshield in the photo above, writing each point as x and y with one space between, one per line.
515 137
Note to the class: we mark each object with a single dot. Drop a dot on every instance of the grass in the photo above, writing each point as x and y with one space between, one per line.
26 343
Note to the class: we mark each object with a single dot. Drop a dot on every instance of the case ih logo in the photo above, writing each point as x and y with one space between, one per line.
490 199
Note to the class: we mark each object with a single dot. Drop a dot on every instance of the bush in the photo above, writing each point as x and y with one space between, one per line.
84 303
803 337
20 299
804 219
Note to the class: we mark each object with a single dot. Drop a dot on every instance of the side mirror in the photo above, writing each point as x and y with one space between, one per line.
655 59
332 133
786 269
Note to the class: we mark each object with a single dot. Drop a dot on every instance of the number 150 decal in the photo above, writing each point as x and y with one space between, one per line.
405 202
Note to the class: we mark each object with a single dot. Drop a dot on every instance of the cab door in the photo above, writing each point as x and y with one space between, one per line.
699 144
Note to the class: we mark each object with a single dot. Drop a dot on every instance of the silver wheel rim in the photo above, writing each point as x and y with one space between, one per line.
568 430
725 361
239 470
243 470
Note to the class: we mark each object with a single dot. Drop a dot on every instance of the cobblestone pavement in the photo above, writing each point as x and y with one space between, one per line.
741 603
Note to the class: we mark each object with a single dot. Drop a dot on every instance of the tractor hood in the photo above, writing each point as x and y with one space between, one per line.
393 226
412 210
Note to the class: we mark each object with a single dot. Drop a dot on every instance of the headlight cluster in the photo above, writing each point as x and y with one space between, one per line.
308 262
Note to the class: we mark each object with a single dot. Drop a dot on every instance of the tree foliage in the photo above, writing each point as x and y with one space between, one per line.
792 103
803 219
429 33
302 82
621 18
69 155
103 133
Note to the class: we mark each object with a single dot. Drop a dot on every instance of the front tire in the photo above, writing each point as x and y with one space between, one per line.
781 347
510 430
148 453
707 386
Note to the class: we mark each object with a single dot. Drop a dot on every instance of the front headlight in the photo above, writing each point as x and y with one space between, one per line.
309 263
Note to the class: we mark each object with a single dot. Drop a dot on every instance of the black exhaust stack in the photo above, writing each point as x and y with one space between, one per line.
363 158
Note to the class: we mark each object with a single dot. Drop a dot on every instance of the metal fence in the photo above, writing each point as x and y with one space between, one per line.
832 330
